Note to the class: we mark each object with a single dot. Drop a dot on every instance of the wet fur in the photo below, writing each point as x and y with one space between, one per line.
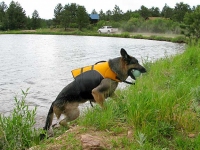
67 104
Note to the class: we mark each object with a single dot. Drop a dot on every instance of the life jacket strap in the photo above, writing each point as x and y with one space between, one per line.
81 71
91 103
127 82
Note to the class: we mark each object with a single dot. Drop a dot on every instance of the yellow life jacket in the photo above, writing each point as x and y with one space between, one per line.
103 68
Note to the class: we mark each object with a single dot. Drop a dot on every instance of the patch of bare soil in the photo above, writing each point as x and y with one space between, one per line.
156 34
87 139
28 30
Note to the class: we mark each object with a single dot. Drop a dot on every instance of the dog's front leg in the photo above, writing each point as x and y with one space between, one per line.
104 90
98 97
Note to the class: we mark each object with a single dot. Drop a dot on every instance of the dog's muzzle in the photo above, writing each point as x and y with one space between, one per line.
133 75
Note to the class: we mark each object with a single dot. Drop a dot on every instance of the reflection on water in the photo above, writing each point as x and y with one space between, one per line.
44 63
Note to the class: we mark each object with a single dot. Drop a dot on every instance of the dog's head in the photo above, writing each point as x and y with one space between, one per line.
131 63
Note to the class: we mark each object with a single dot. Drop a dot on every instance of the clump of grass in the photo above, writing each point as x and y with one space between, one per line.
196 100
179 39
125 35
139 36
17 130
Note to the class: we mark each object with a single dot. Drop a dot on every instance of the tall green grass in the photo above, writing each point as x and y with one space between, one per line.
16 130
163 107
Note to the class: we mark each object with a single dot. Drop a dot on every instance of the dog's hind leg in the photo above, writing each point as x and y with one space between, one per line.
71 113
57 111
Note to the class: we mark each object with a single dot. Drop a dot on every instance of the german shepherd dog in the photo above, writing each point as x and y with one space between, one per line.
92 85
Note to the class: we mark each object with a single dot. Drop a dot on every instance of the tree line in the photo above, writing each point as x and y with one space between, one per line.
181 17
13 17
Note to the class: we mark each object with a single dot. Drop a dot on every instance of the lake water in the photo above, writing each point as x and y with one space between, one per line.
43 63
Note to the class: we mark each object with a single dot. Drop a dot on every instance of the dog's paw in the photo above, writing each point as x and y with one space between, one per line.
50 133
42 136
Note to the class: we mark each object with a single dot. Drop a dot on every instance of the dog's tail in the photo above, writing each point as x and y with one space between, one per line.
49 118
48 122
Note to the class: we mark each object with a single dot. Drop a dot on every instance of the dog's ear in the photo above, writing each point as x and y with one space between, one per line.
124 55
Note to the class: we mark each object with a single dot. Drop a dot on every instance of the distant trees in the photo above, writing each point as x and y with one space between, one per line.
82 17
94 11
3 8
155 11
108 15
117 13
192 24
167 12
65 17
71 15
57 14
15 16
144 12
35 20
102 15
179 11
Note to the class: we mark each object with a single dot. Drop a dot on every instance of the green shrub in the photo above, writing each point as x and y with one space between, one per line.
132 25
139 36
17 129
179 39
153 26
125 35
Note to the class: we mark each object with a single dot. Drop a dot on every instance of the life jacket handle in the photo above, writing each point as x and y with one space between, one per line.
100 62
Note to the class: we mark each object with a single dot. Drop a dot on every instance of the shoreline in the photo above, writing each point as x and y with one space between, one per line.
175 38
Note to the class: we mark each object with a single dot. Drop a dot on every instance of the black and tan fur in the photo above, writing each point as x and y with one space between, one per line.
70 97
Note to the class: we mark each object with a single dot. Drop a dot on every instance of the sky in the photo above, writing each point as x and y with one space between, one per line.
46 8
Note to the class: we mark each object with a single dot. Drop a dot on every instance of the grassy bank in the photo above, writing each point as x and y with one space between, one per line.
150 36
162 111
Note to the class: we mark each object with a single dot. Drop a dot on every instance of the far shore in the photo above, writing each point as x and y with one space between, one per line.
176 38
